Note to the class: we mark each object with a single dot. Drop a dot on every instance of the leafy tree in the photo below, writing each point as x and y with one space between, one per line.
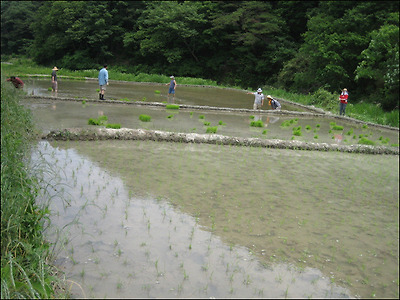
380 65
16 18
170 33
73 34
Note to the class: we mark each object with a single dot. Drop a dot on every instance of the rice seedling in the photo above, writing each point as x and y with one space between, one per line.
97 90
50 89
258 123
144 99
366 141
316 136
172 106
297 131
221 123
206 123
201 117
308 127
83 102
337 127
251 117
212 129
101 120
113 126
365 126
145 118
350 132
170 116
157 92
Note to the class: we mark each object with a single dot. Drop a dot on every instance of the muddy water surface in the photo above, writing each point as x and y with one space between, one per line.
148 92
153 219
149 219
52 115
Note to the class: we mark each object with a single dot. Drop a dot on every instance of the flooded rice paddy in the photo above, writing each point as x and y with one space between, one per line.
151 219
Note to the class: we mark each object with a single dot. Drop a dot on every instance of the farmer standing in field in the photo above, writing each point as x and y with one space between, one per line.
54 83
103 81
343 101
172 86
258 100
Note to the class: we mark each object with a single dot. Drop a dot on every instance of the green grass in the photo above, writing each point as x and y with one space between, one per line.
25 272
367 112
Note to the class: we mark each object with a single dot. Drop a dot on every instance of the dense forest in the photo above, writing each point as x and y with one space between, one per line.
300 46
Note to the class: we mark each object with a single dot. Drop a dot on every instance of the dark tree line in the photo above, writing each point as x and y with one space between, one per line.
300 46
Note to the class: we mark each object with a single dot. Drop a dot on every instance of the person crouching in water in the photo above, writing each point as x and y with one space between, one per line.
258 100
275 105
16 81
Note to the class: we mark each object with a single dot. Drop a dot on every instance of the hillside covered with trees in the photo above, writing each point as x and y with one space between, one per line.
300 46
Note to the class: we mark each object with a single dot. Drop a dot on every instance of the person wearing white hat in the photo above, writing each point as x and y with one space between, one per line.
172 86
54 84
258 100
274 103
344 95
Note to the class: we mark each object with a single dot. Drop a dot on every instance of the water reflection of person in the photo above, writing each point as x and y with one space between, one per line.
53 107
338 138
271 120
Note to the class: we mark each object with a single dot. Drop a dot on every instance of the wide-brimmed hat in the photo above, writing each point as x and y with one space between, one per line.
269 96
171 77
55 69
259 90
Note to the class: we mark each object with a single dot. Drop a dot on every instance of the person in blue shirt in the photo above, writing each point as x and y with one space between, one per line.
103 81
172 87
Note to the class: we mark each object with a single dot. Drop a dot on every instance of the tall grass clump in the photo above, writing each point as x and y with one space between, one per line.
24 252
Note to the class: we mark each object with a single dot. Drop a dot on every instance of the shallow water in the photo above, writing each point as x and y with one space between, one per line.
52 115
153 219
156 219
117 90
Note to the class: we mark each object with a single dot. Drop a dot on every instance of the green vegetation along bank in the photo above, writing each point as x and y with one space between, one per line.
25 271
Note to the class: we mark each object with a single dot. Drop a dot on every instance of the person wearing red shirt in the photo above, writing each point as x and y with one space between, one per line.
18 83
343 101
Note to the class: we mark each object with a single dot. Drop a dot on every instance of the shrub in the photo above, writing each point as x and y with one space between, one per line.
144 118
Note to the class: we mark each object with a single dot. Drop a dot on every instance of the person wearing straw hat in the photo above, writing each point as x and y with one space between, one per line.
343 101
258 100
172 86
54 84
275 105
